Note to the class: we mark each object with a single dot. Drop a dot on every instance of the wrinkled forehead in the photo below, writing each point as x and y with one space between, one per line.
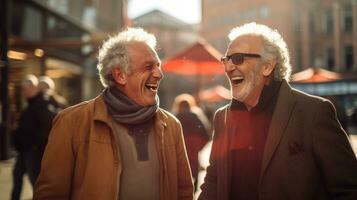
245 44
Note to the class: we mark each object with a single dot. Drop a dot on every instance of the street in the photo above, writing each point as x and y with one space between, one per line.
6 177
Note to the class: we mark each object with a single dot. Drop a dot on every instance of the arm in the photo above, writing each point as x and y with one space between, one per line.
334 154
185 185
45 115
54 181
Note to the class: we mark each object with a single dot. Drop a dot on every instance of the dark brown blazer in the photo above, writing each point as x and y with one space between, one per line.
307 155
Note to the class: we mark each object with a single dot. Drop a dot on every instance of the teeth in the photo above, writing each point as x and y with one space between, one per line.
152 86
237 78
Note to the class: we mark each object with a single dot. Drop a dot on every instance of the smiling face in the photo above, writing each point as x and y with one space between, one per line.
247 79
142 81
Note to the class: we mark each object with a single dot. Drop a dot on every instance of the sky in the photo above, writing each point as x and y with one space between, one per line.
188 11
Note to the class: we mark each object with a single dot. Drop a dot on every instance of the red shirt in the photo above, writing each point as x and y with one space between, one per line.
249 133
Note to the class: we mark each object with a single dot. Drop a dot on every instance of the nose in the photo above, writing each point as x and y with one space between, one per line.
229 66
157 73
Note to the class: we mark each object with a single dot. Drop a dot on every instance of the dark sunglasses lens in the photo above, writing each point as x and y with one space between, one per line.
237 59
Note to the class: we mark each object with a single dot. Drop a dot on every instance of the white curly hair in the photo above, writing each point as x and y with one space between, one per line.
114 52
274 46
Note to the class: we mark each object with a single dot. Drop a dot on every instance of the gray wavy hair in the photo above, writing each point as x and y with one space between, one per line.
114 52
274 47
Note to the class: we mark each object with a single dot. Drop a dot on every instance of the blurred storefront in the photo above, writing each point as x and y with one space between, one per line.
53 38
338 87
46 42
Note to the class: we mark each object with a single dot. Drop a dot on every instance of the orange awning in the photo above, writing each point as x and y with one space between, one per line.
215 94
315 75
199 59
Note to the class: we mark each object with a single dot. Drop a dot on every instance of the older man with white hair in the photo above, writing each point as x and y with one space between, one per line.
272 141
120 145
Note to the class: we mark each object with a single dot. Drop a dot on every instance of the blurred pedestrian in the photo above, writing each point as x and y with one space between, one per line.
48 88
195 128
120 145
272 141
30 135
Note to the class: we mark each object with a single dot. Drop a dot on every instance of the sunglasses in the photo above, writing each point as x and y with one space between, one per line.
238 58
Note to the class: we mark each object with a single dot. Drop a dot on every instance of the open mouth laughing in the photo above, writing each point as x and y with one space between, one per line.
152 86
237 80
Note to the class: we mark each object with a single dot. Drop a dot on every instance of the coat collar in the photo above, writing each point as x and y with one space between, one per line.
284 106
100 111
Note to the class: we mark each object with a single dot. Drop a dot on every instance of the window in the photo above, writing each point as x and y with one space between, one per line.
349 57
328 22
89 16
264 11
330 59
311 23
347 19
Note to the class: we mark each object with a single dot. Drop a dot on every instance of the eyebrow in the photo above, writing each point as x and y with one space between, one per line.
152 62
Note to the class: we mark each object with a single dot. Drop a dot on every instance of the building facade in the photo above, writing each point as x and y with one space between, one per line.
57 38
172 34
319 33
99 15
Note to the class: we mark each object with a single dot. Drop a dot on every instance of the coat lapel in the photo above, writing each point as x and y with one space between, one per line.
280 119
159 129
100 112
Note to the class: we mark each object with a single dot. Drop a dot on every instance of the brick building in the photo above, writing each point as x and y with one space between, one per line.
172 34
319 33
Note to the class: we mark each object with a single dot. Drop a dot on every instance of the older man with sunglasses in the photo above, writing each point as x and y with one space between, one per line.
272 141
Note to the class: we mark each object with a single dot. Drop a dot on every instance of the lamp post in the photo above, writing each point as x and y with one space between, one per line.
4 64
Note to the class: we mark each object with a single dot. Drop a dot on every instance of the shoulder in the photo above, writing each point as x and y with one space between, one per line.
311 101
301 99
220 118
76 108
172 125
166 116
78 111
221 112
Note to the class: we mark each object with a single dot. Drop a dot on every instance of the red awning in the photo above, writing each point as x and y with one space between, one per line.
215 94
199 59
315 75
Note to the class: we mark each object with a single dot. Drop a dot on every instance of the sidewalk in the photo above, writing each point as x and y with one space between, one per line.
6 181
6 177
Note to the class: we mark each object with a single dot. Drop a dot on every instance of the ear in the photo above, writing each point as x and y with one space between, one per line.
119 76
268 67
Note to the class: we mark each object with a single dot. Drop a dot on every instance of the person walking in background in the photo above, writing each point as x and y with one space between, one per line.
120 145
48 88
30 135
195 127
272 141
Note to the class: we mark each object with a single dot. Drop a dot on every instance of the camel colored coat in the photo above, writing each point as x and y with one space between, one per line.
82 161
